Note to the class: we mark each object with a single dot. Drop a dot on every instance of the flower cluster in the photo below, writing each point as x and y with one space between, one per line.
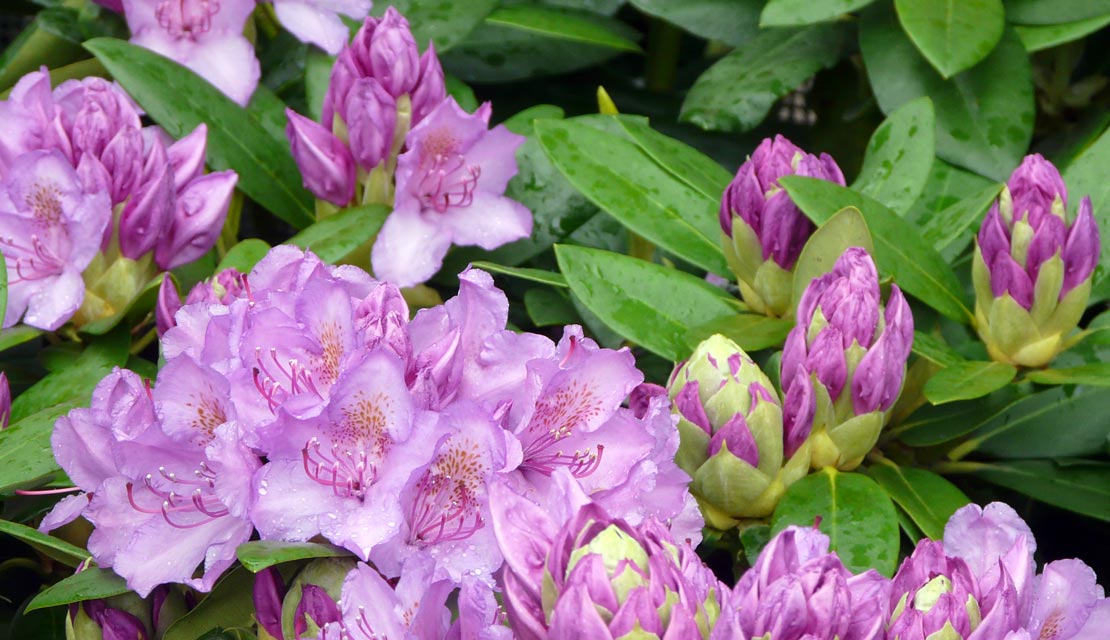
300 401
93 204
389 134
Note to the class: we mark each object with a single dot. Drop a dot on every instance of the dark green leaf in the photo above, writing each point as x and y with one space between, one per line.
317 77
1037 38
946 228
935 350
549 308
444 23
953 35
259 554
1047 424
936 424
1082 487
525 273
846 228
582 29
753 539
1086 176
1054 11
229 605
621 179
984 115
521 122
91 584
462 93
732 22
736 93
947 185
967 380
789 13
855 513
57 549
26 457
338 235
179 100
900 251
927 498
244 255
681 160
33 48
17 335
751 331
1096 374
649 304
75 382
899 156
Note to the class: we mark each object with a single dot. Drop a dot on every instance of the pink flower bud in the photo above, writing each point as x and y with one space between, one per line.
197 219
325 162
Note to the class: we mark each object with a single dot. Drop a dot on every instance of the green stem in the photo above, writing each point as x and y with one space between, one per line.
137 347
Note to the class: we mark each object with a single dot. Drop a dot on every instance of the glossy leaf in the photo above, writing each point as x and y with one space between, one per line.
732 22
936 424
899 156
563 25
951 229
74 382
58 549
625 182
736 93
947 185
1081 486
93 583
900 251
789 13
984 115
846 228
336 236
855 513
927 498
259 554
229 605
967 380
1040 37
935 350
1032 427
445 23
751 331
1086 176
679 159
525 273
1054 11
649 304
521 122
953 35
244 255
548 308
1096 374
17 335
179 100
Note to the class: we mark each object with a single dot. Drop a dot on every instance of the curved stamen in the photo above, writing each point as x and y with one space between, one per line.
348 473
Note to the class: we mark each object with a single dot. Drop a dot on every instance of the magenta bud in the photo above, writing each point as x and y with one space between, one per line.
1007 276
326 165
105 110
197 220
119 625
736 435
431 89
826 359
169 301
187 155
639 400
5 401
122 160
316 605
798 409
149 210
1033 187
1081 248
688 404
371 118
394 60
994 237
343 77
269 590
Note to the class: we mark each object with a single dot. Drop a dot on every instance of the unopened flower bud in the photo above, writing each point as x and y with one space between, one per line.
198 219
430 90
372 116
394 60
325 162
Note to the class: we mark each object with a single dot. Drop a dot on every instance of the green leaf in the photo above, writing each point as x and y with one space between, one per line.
260 554
732 22
682 161
984 115
229 605
900 251
927 498
445 23
1086 176
947 185
522 121
75 382
750 331
1040 37
549 308
790 13
946 228
935 350
899 156
33 48
753 539
179 100
1054 11
244 255
936 424
91 584
317 77
17 335
855 513
736 93
846 228
1082 487
967 380
649 304
26 457
336 236
1031 428
621 179
522 41
953 35
1096 374
525 273
60 550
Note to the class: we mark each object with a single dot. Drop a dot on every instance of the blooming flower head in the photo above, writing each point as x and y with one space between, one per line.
317 21
730 422
1032 268
764 231
372 609
449 191
844 362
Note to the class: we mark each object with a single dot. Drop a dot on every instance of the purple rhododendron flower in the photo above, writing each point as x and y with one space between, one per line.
317 21
449 191
372 609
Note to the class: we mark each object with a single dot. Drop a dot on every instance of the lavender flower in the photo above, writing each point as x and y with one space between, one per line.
1032 270
372 609
844 362
764 231
730 423
317 21
449 191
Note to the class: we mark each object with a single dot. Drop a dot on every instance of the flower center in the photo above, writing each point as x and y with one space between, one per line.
557 415
446 506
184 502
186 18
31 262
359 442
45 202
448 181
